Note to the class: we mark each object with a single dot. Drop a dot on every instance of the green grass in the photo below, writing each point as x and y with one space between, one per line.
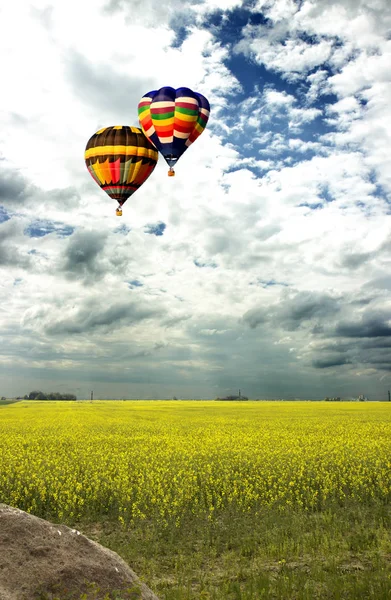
8 401
339 553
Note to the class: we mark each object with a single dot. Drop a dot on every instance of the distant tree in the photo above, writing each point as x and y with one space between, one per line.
33 395
232 398
36 395
3 398
54 396
67 397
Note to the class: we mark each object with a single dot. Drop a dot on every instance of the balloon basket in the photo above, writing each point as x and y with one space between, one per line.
171 173
118 212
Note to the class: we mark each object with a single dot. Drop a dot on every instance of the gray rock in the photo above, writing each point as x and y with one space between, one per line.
41 560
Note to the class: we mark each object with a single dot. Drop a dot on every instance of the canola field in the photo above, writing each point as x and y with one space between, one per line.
166 461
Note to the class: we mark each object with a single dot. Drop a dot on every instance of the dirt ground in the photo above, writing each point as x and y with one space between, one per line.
43 561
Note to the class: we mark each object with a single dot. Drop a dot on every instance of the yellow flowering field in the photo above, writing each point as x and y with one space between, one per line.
166 460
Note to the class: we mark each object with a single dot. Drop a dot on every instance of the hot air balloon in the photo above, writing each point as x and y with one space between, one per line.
172 120
120 159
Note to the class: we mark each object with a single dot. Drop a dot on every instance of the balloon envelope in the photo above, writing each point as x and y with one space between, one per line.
173 119
120 159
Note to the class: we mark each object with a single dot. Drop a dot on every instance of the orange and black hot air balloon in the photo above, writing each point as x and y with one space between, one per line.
120 159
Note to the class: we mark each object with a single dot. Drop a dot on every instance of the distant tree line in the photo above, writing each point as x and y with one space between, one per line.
233 398
337 399
36 395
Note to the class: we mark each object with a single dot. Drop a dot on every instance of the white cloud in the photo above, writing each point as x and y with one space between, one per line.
272 229
276 10
289 56
212 5
278 103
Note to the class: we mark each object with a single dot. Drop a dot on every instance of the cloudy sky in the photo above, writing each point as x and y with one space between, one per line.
265 264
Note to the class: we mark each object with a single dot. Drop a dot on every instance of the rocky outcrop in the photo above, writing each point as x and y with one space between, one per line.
41 560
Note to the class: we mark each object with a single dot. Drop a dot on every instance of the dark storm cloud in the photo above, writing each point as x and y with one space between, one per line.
361 301
306 306
12 187
330 361
354 260
102 87
84 256
255 317
16 192
292 312
377 343
93 317
384 367
367 327
376 358
382 357
373 353
10 254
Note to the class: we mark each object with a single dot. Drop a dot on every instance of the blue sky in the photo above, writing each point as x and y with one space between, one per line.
263 265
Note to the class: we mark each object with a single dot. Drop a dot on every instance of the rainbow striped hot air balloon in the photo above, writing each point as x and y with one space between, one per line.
172 120
120 159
